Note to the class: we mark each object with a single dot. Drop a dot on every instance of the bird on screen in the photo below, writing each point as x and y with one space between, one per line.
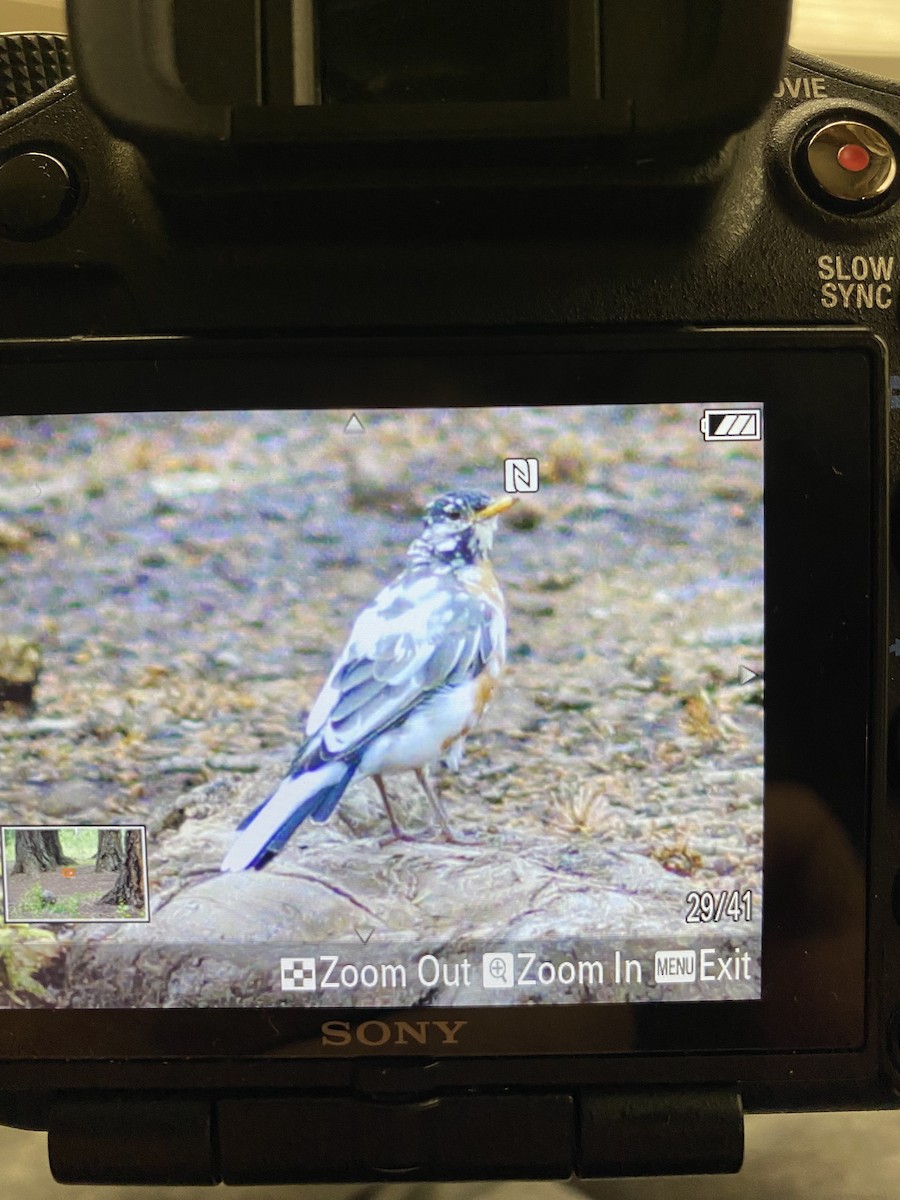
420 666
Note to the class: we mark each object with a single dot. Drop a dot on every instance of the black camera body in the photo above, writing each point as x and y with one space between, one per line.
238 204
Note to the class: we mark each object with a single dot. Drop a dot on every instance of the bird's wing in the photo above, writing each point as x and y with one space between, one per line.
415 637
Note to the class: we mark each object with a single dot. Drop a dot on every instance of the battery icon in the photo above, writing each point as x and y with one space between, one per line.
731 425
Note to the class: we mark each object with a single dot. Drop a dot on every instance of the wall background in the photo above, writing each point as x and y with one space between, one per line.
861 33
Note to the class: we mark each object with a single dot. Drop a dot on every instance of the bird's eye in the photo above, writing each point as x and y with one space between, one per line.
453 512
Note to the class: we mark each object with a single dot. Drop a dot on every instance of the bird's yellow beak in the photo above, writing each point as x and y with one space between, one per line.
496 507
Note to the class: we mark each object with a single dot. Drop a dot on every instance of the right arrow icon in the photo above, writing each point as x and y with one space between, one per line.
747 675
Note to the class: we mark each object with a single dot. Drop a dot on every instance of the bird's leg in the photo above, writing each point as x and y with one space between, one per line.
395 828
440 811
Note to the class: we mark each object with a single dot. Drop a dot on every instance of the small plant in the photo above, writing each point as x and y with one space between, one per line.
678 858
24 952
700 717
38 902
32 900
579 808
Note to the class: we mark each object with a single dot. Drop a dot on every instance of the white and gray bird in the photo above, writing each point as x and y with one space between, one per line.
420 666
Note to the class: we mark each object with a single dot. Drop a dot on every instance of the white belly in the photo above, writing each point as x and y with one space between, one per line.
425 736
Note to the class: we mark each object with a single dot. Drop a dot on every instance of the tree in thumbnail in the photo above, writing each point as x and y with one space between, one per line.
110 852
38 850
129 887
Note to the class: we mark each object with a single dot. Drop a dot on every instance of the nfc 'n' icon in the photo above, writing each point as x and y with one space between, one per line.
520 474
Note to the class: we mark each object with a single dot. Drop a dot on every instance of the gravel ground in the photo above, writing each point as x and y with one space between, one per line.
189 579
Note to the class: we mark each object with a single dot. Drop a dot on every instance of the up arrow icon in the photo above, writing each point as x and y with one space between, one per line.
354 425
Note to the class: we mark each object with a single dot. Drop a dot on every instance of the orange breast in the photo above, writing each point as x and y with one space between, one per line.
479 580
485 686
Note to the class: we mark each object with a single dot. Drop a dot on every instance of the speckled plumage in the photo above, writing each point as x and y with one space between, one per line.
421 663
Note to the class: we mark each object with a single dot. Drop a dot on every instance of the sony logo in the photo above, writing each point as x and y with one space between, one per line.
391 1033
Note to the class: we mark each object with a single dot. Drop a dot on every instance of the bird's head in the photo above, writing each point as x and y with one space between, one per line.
459 527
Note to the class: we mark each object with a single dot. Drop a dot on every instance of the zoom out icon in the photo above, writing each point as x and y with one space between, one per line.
520 474
298 974
497 970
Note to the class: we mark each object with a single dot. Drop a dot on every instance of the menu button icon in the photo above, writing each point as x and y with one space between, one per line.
675 966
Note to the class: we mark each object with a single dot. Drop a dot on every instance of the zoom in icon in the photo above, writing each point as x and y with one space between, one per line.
497 970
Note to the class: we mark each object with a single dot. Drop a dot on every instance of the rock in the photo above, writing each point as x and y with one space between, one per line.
343 886
20 666
179 484
13 537
180 765
571 699
380 485
227 658
154 558
40 727
524 515
557 581
566 462
233 762
68 801
528 606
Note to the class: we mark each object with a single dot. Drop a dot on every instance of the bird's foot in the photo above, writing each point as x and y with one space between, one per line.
460 839
397 835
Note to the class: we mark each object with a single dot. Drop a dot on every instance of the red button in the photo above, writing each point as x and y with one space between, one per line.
853 157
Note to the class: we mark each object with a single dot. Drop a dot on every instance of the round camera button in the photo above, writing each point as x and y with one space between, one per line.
37 195
851 162
854 157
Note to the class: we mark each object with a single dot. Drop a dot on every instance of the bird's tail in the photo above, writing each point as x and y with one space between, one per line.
264 832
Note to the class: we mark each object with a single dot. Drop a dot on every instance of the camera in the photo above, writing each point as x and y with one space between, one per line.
448 656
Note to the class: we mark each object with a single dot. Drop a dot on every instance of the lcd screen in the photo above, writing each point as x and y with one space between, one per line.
494 681
510 660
